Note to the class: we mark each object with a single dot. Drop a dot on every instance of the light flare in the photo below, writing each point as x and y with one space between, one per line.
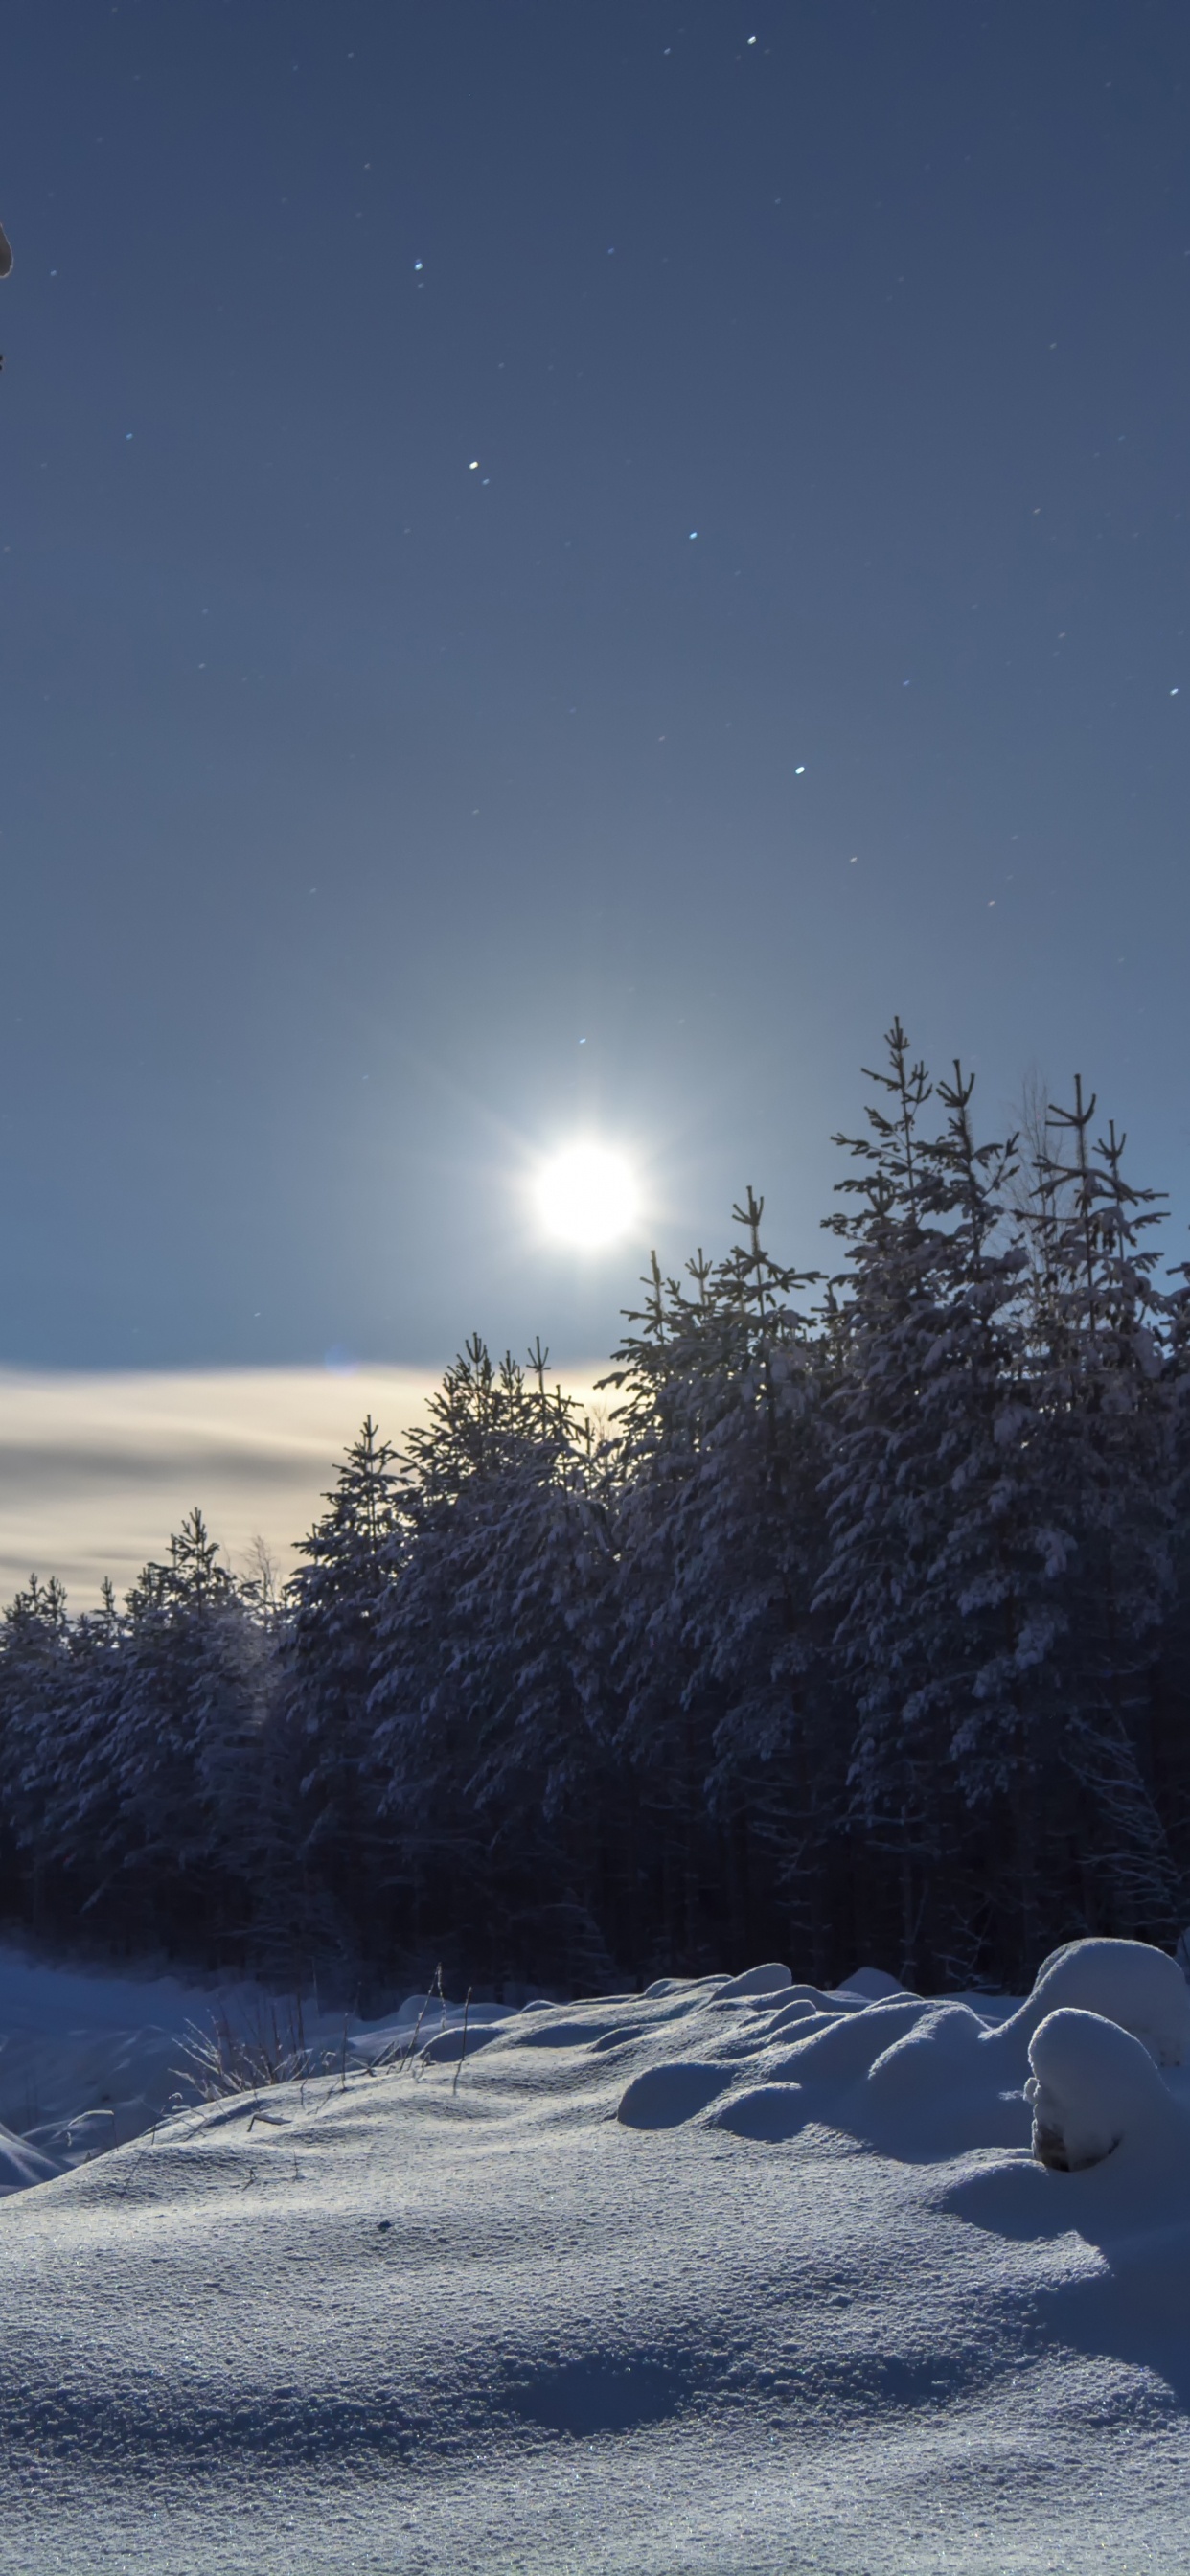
587 1195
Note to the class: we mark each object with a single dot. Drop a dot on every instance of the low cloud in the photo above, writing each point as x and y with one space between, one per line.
96 1470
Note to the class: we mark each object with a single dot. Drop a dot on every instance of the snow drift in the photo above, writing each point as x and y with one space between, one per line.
731 2276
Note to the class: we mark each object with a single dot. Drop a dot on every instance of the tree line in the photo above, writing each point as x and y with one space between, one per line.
859 1628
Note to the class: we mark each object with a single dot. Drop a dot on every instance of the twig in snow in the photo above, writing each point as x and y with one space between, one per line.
436 1985
463 2051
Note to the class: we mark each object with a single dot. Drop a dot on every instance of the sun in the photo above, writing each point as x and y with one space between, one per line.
587 1195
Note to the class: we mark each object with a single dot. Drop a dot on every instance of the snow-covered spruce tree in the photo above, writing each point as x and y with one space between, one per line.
1104 1379
69 1801
35 1641
999 1507
490 1701
1169 1698
983 1601
156 1797
926 1328
726 1720
343 1874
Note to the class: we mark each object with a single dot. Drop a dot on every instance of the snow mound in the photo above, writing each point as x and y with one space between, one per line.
773 2111
872 1985
918 2080
921 2065
770 1980
665 2095
448 2046
840 2045
1124 1981
1094 2085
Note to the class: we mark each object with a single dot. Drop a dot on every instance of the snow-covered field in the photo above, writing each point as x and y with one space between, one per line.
728 2276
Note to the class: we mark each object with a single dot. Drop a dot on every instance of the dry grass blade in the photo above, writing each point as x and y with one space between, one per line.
401 2051
223 2057
463 2051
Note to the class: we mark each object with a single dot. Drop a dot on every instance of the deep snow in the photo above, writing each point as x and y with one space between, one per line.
717 2278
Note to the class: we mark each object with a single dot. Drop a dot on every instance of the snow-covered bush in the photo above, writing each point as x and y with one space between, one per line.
1093 2085
1127 1982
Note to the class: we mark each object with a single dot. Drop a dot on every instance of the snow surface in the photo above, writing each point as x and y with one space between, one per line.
702 2279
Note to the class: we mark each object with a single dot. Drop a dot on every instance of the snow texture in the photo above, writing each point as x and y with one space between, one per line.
703 2279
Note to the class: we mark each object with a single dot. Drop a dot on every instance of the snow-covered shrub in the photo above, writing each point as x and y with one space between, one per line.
1092 2085
1126 1982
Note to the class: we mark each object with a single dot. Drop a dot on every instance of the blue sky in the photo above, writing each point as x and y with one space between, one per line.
557 566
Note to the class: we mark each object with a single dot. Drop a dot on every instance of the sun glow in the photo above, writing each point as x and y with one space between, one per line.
587 1195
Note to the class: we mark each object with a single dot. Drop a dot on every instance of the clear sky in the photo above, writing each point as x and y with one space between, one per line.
560 564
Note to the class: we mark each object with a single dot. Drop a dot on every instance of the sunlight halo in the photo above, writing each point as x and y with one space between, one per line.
587 1195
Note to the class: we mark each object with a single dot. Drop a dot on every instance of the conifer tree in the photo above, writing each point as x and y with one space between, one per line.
334 1603
161 1793
718 1532
489 1697
70 1798
34 1661
934 1567
1101 1384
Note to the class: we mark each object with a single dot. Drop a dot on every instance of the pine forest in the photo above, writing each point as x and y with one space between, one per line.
857 1627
